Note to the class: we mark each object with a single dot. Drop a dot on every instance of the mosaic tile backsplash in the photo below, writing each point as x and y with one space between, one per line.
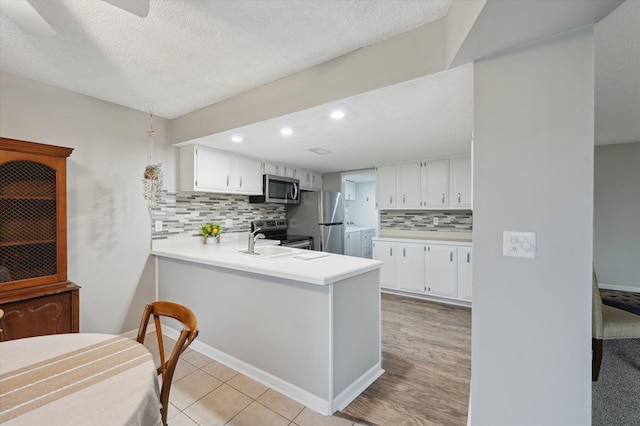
183 213
449 221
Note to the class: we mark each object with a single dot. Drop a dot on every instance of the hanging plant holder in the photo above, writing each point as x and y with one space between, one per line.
152 179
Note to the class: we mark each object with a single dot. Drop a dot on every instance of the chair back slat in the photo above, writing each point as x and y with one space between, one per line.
188 333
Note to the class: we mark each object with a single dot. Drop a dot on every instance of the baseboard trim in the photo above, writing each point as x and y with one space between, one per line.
357 387
398 292
605 286
289 390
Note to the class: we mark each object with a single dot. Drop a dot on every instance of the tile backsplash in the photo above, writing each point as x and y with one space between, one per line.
449 221
183 213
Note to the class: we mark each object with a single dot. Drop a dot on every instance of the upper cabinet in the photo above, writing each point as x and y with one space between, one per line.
349 190
386 186
409 184
309 180
436 184
460 195
208 170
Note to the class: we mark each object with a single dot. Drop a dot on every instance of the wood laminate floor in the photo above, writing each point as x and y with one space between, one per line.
426 355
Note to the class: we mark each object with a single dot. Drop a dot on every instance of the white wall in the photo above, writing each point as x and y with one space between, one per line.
108 224
362 211
616 215
533 171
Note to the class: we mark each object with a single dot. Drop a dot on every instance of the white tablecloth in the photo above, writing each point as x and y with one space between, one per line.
78 379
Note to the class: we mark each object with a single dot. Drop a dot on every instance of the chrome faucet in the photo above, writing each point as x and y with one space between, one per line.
253 237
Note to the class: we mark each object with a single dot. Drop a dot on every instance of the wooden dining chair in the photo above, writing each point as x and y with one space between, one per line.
187 335
1 330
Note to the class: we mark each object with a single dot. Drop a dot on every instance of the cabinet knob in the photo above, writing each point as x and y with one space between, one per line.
468 257
443 198
403 198
451 257
240 181
227 180
391 199
404 252
390 251
459 197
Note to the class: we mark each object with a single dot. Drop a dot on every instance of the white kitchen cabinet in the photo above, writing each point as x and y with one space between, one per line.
204 169
465 268
460 182
246 176
208 170
440 270
271 169
409 184
287 171
367 241
353 243
435 183
386 252
316 181
410 266
304 176
386 186
349 190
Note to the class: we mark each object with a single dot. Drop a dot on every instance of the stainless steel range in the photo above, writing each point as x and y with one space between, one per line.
276 229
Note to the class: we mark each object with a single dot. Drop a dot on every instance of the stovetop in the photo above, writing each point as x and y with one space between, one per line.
276 229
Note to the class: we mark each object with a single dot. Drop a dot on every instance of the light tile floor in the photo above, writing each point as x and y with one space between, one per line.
207 393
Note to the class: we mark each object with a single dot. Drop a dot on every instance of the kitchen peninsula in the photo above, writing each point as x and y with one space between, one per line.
308 328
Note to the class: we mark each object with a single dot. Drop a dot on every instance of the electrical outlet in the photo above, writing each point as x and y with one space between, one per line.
158 226
228 223
435 220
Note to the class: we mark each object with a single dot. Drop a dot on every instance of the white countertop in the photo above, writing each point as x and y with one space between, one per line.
352 228
438 236
322 271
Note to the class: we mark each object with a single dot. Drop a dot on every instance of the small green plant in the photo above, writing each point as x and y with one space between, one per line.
211 229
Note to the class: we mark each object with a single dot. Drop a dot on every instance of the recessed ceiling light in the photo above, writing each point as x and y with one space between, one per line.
337 114
236 138
286 131
320 151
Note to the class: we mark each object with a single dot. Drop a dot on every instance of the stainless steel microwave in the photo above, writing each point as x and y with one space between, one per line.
278 190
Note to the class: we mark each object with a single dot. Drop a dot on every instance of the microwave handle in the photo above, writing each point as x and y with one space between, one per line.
294 191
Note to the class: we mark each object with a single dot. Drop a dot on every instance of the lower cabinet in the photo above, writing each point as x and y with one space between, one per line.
386 252
410 272
440 270
433 269
42 310
353 243
465 266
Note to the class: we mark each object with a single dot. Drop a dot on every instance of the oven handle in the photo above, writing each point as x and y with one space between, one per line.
300 244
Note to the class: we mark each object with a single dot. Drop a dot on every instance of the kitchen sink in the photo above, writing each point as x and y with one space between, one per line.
270 252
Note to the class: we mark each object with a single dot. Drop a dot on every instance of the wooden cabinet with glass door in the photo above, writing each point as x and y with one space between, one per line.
35 295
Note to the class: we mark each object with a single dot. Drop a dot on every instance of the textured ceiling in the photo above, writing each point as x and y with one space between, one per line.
187 54
394 123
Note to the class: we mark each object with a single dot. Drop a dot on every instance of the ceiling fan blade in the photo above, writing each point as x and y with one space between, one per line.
26 17
137 7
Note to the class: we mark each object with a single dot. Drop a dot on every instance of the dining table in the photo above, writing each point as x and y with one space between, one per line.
78 379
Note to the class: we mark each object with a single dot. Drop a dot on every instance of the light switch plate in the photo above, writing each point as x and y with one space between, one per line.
228 223
519 244
158 226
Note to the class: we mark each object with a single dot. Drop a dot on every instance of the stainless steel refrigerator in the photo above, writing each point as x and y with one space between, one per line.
319 215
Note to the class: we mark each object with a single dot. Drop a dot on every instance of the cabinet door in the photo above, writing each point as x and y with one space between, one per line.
409 184
349 190
386 186
465 267
386 252
316 181
436 183
247 176
366 243
287 171
440 270
411 267
353 244
461 182
213 169
304 176
270 169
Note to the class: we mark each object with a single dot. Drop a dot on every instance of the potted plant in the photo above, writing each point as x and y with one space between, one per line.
211 232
